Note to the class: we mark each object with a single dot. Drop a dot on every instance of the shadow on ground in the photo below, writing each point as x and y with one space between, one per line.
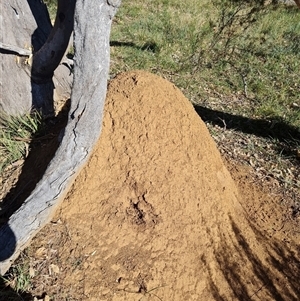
42 149
286 137
8 294
150 46
249 276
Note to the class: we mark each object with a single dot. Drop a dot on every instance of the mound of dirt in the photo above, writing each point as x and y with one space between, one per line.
155 214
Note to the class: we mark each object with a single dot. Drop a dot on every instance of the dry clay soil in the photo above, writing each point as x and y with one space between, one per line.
156 215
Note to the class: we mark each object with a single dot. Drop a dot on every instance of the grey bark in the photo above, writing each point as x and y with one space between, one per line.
91 65
25 24
48 57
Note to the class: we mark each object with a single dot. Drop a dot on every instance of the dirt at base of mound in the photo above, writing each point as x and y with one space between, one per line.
155 214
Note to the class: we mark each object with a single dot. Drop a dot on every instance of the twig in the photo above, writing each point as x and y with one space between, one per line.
15 49
244 79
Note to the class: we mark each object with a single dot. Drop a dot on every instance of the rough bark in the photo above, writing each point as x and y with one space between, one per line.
91 66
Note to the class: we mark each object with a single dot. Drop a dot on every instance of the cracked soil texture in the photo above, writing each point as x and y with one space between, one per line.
156 215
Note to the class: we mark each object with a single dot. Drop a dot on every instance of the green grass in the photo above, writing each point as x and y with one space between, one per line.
20 278
51 5
216 47
15 136
17 281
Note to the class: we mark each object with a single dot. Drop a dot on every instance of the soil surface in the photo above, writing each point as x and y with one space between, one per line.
157 214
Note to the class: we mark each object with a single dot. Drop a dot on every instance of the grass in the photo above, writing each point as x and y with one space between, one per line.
51 5
17 282
210 48
15 136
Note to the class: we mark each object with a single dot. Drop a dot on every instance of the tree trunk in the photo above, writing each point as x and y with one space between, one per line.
48 57
91 65
26 27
